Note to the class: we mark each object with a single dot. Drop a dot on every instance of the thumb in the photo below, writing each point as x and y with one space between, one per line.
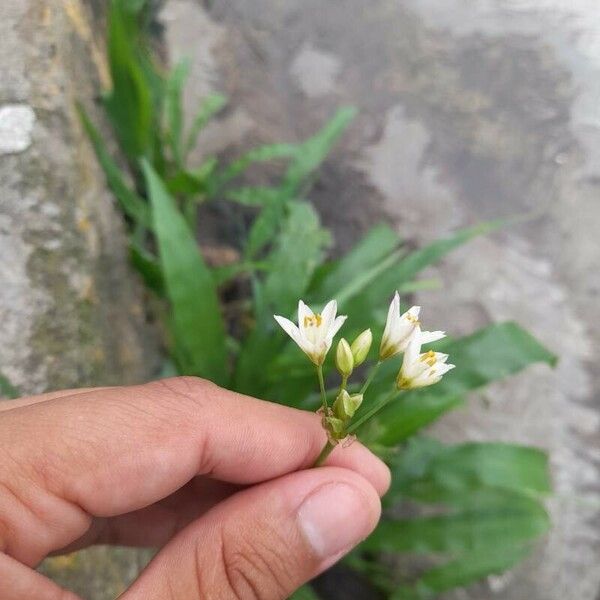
266 541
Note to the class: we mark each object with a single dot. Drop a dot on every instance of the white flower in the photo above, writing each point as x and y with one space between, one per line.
400 328
421 369
314 333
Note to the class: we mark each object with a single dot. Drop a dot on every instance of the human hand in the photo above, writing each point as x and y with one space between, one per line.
220 481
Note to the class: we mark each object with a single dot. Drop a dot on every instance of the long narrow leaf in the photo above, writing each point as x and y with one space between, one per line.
361 299
490 354
148 267
462 571
299 249
429 471
375 246
517 520
197 324
210 106
314 151
131 204
264 153
174 109
130 102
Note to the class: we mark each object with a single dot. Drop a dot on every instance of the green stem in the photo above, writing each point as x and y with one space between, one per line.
327 448
343 384
322 387
370 378
373 411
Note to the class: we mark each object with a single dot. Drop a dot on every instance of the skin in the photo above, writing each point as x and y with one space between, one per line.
220 482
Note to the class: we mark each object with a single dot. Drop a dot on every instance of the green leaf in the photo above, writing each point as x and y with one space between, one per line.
264 153
196 322
265 226
416 261
492 353
252 196
132 205
517 520
363 297
493 512
7 389
130 103
462 571
298 250
192 182
376 245
210 106
429 471
311 153
174 109
148 267
224 273
304 593
406 415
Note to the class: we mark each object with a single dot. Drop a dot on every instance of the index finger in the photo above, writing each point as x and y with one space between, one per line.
116 450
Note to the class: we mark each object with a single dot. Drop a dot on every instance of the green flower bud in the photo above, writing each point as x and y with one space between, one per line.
346 405
335 427
344 361
361 346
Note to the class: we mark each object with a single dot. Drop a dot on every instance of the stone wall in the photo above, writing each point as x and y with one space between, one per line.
71 311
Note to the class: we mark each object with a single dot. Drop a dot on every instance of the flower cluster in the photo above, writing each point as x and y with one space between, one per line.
402 334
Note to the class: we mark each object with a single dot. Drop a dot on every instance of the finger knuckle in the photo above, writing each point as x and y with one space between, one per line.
186 386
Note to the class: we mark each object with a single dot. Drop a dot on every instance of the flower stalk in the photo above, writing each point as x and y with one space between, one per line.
322 388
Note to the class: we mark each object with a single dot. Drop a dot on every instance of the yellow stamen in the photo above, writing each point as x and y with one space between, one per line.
429 358
313 320
412 318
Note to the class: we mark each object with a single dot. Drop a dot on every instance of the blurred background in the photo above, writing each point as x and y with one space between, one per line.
468 110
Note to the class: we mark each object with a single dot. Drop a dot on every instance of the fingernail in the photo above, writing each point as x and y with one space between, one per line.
334 518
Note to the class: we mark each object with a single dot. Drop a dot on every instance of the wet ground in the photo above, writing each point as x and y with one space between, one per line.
469 110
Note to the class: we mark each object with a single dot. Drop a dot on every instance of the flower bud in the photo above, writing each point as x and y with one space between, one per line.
346 405
335 427
361 346
344 360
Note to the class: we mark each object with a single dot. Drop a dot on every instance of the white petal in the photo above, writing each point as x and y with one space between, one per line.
431 336
392 316
303 311
444 368
335 327
291 329
413 350
392 332
328 314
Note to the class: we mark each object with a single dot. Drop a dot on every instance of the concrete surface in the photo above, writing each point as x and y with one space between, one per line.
469 110
71 310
